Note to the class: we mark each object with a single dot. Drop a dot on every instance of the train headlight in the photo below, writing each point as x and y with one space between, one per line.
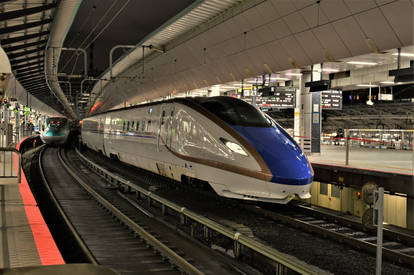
234 147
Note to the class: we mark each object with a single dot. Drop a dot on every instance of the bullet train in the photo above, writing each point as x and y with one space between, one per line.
222 141
56 131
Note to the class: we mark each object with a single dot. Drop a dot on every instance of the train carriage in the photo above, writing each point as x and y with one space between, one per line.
225 142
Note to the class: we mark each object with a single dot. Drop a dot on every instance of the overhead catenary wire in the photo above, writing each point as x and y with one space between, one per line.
92 31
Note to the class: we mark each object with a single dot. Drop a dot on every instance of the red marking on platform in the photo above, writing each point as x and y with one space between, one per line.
359 168
46 247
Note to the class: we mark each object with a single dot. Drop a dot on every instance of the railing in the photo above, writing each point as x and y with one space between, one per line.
7 165
378 149
374 138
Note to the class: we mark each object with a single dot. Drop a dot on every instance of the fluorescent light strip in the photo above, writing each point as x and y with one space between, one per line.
387 82
362 63
366 85
405 54
330 70
294 74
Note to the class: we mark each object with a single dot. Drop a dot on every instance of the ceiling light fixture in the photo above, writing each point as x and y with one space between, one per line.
405 54
362 63
280 78
294 74
331 70
367 85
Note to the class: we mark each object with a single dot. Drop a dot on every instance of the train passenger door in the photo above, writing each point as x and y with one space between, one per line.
164 137
107 142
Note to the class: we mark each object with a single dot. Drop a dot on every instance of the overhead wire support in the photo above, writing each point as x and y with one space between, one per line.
151 47
85 58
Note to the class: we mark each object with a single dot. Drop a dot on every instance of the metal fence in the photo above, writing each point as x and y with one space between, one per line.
10 165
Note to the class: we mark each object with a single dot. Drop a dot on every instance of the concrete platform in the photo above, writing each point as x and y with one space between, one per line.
24 236
383 160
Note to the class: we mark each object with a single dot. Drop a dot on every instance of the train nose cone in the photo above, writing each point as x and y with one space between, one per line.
282 155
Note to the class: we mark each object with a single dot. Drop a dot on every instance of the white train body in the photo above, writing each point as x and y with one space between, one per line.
181 140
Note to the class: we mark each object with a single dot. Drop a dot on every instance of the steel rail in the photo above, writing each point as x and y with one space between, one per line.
164 250
62 213
398 236
270 253
354 242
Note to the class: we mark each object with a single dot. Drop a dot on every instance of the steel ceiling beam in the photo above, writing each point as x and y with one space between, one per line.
23 37
33 68
24 78
29 83
28 73
24 46
22 60
24 12
20 27
14 55
38 89
18 67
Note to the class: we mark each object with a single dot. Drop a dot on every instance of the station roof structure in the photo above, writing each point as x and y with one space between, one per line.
177 46
24 32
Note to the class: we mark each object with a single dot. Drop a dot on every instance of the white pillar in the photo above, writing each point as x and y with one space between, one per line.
303 113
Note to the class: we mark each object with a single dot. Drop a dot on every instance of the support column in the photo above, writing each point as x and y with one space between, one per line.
316 123
410 213
303 112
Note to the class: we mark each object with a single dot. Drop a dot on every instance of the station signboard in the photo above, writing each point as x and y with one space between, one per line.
278 98
331 100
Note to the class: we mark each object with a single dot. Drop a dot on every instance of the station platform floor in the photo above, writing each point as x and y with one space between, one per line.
383 160
24 236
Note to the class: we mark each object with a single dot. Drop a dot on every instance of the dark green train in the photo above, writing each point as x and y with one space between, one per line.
56 132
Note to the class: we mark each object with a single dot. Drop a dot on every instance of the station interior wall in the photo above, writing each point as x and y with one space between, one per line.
347 201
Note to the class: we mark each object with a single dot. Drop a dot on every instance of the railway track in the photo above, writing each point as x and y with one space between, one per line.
397 247
110 230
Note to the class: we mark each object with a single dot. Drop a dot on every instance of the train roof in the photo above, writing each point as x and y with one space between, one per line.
184 100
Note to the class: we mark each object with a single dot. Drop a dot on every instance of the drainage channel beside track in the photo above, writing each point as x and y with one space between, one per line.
106 234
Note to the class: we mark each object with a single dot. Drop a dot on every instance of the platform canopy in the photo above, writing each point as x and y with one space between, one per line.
180 45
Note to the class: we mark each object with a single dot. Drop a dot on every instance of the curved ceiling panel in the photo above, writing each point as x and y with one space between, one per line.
300 33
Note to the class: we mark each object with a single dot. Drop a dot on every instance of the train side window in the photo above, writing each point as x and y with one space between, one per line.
162 117
335 191
128 126
143 125
132 125
172 112
123 126
137 125
149 126
323 189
